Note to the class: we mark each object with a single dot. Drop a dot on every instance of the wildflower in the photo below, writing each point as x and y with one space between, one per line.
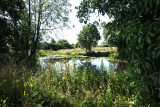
31 85
73 63
73 53
24 93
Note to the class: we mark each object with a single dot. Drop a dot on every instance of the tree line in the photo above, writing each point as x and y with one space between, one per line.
53 45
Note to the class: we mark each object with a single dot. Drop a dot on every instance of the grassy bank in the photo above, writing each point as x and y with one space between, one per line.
19 86
97 51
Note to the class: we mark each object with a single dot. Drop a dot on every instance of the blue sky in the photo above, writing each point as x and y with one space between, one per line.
71 34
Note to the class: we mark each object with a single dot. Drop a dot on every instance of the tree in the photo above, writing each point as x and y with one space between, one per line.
77 45
88 37
47 15
64 43
138 23
53 41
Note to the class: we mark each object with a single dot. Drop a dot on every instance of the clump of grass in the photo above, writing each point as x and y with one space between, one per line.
12 78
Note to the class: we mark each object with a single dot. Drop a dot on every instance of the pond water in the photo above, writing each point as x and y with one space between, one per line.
61 63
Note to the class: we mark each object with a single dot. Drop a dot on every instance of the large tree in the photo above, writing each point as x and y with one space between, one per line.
46 15
138 24
88 37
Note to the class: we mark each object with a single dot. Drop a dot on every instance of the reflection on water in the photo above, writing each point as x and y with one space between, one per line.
62 63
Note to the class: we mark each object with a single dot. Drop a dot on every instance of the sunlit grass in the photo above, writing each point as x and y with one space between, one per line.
101 51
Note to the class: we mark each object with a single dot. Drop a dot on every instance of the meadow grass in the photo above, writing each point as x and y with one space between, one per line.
19 86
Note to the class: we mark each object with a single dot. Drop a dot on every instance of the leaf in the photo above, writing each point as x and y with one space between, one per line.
132 84
146 4
148 39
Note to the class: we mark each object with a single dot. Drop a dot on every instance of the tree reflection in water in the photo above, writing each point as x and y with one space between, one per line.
91 64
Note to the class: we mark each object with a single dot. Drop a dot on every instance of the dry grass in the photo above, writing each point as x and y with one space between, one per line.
94 49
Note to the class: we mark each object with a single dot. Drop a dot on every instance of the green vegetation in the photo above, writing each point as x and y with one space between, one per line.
21 86
88 37
60 44
97 51
135 32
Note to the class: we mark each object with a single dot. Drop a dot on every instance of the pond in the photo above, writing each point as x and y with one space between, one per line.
61 63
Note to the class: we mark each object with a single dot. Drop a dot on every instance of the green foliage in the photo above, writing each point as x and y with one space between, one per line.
77 45
24 22
53 41
88 37
112 37
105 44
65 44
61 44
135 31
11 11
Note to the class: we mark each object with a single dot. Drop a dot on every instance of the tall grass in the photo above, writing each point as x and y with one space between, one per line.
48 87
12 78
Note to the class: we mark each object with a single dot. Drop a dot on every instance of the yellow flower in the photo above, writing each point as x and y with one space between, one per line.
31 85
73 53
73 63
64 61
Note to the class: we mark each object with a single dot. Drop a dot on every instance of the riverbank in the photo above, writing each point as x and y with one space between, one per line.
78 52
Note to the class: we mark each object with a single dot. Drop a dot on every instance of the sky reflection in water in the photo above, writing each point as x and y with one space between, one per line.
62 63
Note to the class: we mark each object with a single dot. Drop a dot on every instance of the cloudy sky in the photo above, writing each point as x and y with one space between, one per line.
71 34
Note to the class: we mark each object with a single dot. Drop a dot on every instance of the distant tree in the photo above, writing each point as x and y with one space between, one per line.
53 41
88 37
105 44
64 43
77 45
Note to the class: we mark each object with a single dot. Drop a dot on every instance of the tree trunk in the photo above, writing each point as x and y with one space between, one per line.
29 28
35 42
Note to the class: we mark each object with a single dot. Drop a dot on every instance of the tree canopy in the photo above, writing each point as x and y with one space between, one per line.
138 40
10 14
64 43
88 37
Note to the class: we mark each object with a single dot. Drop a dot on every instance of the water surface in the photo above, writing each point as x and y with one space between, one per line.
61 63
